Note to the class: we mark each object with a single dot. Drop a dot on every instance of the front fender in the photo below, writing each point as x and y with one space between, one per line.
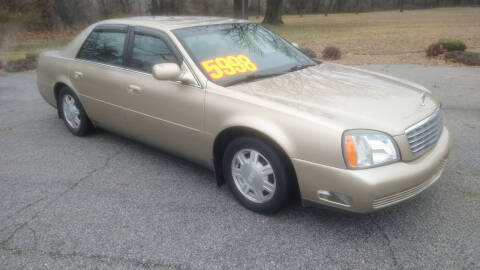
262 126
300 135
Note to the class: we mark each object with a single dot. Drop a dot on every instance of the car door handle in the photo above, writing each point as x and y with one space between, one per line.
78 75
133 89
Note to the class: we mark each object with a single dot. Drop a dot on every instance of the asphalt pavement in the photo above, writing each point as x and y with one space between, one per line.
107 202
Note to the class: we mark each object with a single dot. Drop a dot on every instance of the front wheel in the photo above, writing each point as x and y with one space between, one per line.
72 113
257 175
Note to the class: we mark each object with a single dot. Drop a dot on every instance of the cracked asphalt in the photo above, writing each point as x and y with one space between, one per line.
106 202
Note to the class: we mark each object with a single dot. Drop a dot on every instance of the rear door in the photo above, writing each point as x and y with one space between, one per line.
98 75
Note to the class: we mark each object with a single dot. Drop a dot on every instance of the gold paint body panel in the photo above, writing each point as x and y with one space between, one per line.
304 112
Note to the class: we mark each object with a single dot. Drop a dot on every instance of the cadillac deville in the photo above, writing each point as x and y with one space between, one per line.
235 97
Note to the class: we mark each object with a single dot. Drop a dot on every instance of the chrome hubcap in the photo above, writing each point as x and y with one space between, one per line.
71 112
253 175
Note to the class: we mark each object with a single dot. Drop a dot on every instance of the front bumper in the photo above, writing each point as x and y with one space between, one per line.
375 188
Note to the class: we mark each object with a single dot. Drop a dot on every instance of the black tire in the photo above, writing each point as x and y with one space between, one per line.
283 178
85 125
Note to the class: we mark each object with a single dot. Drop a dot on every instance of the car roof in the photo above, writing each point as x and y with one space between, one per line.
169 23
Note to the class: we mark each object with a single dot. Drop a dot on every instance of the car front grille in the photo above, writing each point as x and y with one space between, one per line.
425 133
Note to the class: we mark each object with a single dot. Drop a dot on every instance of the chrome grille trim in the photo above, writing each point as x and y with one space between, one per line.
425 133
395 198
410 192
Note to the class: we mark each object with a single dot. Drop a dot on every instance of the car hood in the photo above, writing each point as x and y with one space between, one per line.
349 97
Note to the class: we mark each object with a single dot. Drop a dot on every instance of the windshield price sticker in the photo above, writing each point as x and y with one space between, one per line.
231 65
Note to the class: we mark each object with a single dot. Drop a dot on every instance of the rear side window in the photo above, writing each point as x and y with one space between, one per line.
104 47
148 51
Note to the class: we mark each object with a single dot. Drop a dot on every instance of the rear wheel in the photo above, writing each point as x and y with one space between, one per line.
72 113
257 175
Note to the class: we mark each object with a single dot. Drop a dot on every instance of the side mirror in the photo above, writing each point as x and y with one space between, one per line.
295 45
167 72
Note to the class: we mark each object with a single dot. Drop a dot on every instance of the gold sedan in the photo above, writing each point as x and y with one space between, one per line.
239 99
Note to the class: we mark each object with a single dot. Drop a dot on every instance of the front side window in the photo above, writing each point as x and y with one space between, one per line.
238 52
105 47
148 51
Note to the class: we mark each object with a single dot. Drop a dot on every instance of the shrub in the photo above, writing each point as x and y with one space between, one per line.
31 20
31 56
453 45
331 53
467 58
21 65
4 15
309 52
1 64
435 49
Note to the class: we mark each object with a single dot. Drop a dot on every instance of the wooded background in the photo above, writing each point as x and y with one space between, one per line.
37 15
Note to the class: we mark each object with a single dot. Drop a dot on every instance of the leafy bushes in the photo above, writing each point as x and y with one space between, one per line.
28 63
38 15
467 58
29 20
331 53
435 49
4 15
31 56
453 45
445 45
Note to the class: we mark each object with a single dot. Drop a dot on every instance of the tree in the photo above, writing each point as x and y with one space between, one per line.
372 5
340 5
300 6
104 8
165 7
125 6
258 8
401 5
357 8
273 14
240 9
316 5
156 7
63 12
46 8
328 6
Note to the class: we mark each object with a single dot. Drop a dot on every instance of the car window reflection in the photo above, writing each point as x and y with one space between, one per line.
265 49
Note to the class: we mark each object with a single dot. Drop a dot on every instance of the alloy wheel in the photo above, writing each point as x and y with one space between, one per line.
253 175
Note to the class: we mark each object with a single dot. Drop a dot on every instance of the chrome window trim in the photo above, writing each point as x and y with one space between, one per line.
114 28
187 59
119 27
198 85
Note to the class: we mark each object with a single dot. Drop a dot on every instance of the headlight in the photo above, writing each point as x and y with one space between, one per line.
367 148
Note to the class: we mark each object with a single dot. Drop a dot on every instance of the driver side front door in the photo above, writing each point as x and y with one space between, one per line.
167 114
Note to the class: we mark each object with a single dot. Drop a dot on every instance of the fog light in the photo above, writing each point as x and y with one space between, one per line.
334 197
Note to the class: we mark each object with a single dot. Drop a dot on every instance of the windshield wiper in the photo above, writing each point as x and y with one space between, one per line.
299 67
254 77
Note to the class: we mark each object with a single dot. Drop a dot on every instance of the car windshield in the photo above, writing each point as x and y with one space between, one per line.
240 52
